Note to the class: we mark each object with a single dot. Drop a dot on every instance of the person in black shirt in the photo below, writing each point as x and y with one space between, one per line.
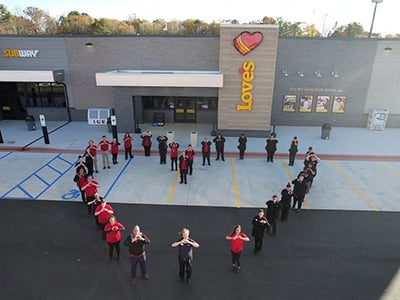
299 191
273 209
260 223
286 201
136 242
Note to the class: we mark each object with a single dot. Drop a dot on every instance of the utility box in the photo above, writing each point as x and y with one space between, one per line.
30 123
193 139
377 119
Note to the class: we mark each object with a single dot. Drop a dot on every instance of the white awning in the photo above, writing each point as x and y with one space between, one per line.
157 78
31 76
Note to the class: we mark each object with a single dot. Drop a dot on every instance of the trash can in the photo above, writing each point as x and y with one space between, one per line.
326 131
170 136
193 139
30 123
109 126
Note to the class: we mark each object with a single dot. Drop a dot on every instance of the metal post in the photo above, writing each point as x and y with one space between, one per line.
373 16
44 129
1 138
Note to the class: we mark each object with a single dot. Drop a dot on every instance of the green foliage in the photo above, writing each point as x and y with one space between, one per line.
35 21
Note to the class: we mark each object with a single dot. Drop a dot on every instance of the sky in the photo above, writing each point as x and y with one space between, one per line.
323 13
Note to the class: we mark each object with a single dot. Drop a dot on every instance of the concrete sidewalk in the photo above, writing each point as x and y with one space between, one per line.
75 136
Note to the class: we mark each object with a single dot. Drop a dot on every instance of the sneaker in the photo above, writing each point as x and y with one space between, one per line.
97 171
146 276
189 280
104 168
133 281
237 270
109 167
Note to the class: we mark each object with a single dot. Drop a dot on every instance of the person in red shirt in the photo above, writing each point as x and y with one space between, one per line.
114 151
184 162
205 150
104 145
90 187
113 236
128 145
237 238
190 153
174 151
102 213
146 142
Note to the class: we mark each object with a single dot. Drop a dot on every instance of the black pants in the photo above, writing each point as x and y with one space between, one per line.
285 213
273 226
190 167
241 153
185 266
270 156
298 200
90 207
258 242
128 152
183 174
206 155
292 156
147 150
235 258
163 157
174 162
220 153
114 158
111 249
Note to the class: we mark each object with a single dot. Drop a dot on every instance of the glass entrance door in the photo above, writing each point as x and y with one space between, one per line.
185 111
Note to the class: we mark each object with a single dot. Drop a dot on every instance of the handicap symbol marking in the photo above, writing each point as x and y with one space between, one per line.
72 194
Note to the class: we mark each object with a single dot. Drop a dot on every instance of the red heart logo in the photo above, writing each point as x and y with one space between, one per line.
246 41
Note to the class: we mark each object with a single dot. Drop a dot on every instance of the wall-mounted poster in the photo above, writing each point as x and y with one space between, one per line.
339 104
306 103
322 104
289 103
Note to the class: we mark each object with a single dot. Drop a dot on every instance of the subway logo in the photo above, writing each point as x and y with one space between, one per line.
20 53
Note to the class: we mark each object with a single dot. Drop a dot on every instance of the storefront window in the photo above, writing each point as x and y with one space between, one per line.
41 94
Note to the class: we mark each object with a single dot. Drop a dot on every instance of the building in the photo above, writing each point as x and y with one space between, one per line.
246 79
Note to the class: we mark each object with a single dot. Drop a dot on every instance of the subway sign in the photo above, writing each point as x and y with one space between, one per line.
244 43
20 53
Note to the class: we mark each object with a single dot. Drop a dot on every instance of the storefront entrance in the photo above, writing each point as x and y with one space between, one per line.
185 111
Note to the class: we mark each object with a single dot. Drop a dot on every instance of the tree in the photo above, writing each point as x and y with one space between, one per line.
75 23
5 20
41 22
351 30
310 31
289 29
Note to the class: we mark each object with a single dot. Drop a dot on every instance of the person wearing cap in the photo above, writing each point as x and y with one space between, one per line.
293 149
286 201
190 153
260 223
205 150
273 209
136 242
